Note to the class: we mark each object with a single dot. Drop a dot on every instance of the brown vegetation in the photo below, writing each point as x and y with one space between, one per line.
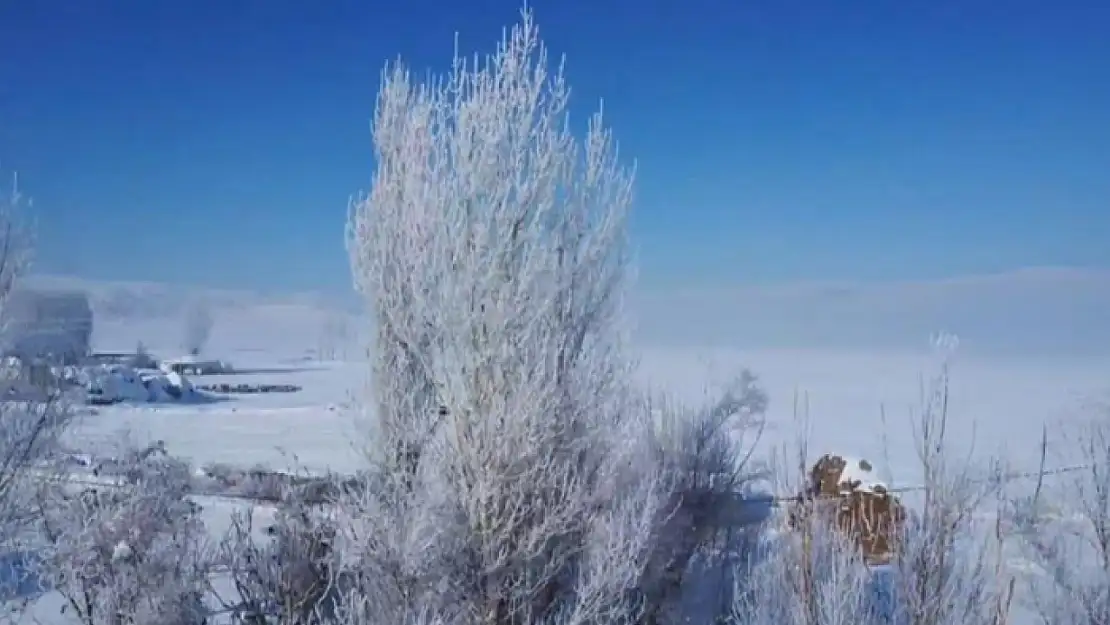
863 509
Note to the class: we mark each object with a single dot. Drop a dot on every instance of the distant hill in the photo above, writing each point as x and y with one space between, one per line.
1031 312
1043 312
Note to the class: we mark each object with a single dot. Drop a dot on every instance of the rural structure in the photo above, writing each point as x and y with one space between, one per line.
45 326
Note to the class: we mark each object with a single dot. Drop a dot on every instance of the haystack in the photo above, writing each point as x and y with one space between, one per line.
864 508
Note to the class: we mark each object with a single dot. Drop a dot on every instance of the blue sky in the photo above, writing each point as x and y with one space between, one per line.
777 140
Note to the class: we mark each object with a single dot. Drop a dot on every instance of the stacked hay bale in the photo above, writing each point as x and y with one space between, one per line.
858 504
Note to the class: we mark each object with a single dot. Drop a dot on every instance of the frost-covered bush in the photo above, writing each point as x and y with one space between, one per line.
29 434
1064 527
812 575
710 508
945 564
286 572
132 552
950 568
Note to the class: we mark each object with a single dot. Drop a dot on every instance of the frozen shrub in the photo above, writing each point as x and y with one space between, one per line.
708 509
948 569
814 574
1065 530
940 564
134 552
286 572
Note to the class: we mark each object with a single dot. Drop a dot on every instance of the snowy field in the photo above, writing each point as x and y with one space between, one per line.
999 404
1035 348
999 401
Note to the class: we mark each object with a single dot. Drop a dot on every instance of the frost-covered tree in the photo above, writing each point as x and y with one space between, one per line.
489 226
518 476
16 240
33 414
491 252
335 335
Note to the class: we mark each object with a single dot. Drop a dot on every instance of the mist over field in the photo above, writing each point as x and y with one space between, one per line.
1056 313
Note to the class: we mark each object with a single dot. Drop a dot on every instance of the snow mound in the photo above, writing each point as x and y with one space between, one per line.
110 384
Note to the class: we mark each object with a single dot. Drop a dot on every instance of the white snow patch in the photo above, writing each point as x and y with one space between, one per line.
122 551
861 474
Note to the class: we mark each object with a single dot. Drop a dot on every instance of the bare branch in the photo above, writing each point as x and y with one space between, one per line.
1065 529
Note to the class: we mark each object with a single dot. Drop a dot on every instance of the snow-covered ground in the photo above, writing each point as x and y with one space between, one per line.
309 427
999 404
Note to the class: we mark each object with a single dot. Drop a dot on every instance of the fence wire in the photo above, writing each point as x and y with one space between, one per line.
775 500
1004 478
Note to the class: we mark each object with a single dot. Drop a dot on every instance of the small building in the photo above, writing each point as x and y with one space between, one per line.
47 326
192 365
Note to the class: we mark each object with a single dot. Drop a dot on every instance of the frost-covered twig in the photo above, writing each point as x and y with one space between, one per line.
949 567
1064 527
33 411
136 553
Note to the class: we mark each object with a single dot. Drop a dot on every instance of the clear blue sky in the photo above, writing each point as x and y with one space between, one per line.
777 140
